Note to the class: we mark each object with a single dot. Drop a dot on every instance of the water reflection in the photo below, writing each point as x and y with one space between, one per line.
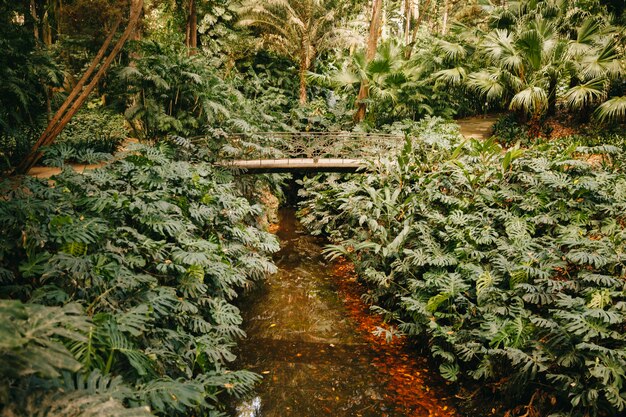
313 360
250 408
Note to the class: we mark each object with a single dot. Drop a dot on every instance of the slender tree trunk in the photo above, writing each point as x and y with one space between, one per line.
372 43
78 95
307 56
302 75
444 23
552 96
408 15
136 36
372 40
191 40
187 29
58 16
383 23
39 10
46 29
35 17
419 14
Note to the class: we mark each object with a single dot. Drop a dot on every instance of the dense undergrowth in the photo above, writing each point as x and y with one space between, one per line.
117 287
509 265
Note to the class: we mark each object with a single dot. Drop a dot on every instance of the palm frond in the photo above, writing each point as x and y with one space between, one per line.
613 109
531 100
585 94
487 84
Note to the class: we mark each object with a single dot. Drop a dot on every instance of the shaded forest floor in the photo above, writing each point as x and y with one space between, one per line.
478 127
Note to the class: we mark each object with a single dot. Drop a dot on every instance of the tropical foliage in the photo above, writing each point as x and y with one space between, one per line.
528 59
25 73
91 134
117 287
510 265
400 87
298 29
168 91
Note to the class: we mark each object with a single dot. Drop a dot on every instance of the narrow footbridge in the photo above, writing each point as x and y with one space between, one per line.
306 151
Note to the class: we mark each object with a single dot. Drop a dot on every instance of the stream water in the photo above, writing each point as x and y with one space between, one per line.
313 358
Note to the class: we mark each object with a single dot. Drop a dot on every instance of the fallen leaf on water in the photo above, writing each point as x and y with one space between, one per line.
272 325
229 386
265 372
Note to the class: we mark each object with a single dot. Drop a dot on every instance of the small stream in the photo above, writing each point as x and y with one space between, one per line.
313 359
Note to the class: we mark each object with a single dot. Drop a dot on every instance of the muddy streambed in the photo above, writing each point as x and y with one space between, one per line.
309 337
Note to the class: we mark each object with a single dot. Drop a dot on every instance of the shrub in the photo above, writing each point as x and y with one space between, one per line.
508 131
511 264
125 278
94 128
15 143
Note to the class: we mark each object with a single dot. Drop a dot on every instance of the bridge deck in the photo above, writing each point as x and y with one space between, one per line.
297 164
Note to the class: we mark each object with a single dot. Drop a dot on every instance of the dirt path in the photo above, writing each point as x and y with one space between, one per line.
47 172
478 127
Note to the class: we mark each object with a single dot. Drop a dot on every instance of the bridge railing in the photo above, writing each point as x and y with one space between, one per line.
310 145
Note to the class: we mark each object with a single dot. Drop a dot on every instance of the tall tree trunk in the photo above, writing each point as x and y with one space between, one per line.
78 95
419 14
408 15
302 75
40 13
306 59
307 56
372 43
444 23
58 16
191 40
383 31
35 17
46 29
187 28
372 40
552 96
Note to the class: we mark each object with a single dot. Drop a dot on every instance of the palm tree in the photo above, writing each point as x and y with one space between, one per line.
530 59
396 85
297 29
525 67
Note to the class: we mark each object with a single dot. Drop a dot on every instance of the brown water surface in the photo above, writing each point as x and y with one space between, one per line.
302 340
